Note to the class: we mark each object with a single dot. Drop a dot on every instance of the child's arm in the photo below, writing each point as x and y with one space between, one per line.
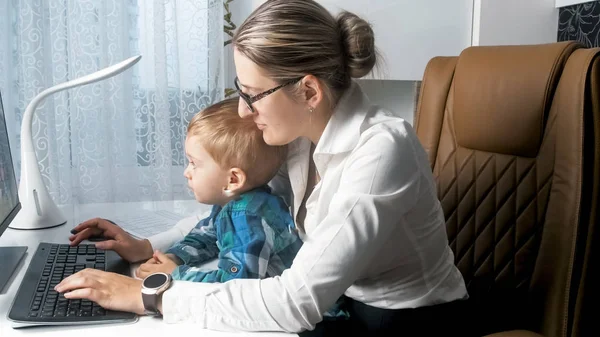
200 245
245 252
163 240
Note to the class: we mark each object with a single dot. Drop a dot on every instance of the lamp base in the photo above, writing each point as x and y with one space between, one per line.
28 218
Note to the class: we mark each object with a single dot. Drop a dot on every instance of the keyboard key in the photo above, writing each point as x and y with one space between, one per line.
72 312
33 314
98 312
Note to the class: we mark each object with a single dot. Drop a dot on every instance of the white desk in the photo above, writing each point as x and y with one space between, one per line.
145 326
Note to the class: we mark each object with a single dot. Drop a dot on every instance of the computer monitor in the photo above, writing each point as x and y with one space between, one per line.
9 204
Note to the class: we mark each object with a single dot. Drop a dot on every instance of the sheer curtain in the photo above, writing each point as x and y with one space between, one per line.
120 139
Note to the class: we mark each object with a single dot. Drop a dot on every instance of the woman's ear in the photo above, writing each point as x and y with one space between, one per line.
236 181
313 90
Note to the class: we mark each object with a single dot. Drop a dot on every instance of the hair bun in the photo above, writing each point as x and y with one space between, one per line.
359 44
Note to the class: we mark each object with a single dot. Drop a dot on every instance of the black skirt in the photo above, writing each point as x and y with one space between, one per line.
436 320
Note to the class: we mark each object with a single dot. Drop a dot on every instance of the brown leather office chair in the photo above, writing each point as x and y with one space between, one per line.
512 134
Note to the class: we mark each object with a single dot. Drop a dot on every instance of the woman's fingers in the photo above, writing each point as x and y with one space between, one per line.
85 293
96 227
84 235
82 279
109 290
109 245
91 223
117 239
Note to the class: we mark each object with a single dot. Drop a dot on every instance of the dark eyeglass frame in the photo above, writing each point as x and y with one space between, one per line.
251 99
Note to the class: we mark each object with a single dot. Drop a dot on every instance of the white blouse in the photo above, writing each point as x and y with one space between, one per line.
374 231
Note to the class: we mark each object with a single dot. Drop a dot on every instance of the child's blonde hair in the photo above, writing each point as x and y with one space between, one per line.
233 141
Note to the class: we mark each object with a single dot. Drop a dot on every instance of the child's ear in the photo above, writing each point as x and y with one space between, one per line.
237 180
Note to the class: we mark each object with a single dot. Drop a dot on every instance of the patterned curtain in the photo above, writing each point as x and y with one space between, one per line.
120 139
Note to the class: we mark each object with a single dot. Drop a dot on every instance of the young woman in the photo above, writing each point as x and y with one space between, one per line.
360 186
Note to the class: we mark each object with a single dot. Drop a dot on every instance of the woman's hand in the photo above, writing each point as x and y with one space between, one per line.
128 247
158 263
111 291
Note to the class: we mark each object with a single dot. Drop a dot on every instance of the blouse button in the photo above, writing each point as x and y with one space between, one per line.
234 269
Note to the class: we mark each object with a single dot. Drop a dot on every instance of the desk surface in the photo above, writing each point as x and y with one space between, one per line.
145 326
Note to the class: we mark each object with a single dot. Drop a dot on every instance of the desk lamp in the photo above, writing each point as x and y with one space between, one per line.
38 210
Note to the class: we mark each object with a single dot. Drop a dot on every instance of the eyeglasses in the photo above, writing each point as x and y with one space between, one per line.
251 99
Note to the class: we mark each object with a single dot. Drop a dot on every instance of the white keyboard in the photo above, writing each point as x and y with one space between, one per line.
148 223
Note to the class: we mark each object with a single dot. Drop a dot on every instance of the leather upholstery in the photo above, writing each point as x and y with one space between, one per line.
481 125
512 136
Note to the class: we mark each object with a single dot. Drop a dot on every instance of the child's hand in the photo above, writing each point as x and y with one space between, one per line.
158 263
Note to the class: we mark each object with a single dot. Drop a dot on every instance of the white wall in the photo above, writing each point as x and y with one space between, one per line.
511 22
408 33
396 96
240 10
562 3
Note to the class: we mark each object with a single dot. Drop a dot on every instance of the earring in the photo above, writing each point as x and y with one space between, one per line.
228 193
311 109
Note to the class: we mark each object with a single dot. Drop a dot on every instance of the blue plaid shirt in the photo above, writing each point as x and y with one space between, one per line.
253 237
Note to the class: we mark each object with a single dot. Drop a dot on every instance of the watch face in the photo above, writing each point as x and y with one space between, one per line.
155 280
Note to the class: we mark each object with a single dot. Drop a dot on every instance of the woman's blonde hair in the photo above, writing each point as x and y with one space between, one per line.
294 38
236 142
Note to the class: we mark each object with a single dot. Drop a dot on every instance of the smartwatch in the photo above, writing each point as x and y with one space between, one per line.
152 287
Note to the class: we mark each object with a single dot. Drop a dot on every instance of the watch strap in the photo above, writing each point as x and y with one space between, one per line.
150 304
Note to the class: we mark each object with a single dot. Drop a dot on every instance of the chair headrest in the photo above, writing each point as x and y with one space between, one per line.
502 95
